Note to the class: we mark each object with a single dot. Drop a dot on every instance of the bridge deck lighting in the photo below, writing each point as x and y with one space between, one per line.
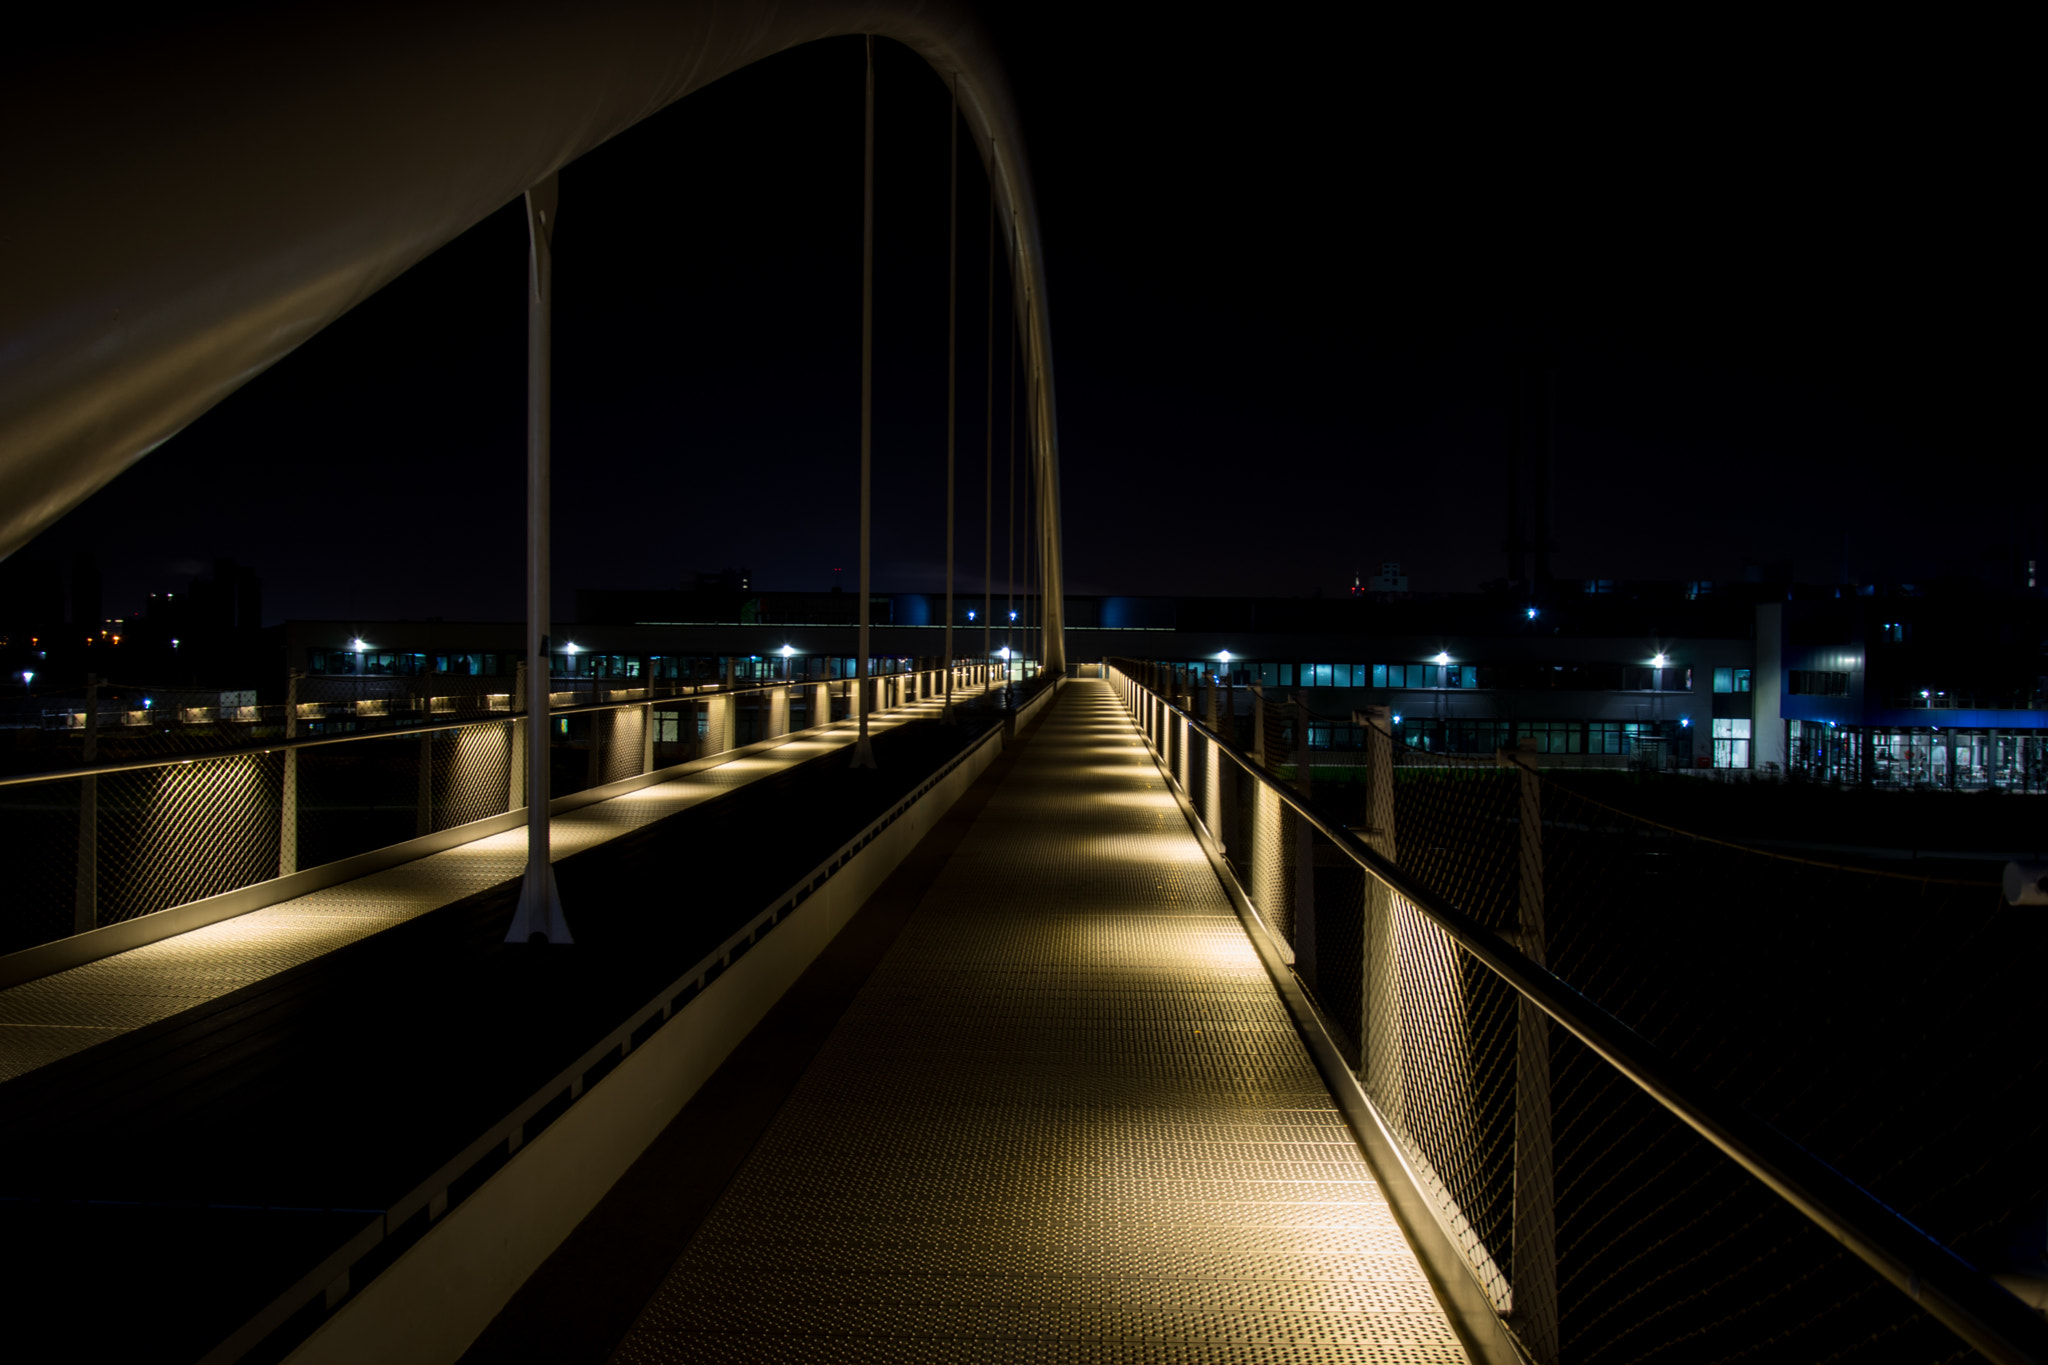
1441 657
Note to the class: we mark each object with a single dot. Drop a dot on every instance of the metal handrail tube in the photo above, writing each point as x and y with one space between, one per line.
1941 1282
280 745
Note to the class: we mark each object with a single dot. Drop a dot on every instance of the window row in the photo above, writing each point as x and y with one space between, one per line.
1460 736
1814 682
1516 677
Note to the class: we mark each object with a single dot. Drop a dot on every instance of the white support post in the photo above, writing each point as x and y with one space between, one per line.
539 916
952 375
863 751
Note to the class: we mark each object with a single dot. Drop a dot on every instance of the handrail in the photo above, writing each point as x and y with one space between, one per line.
702 691
1951 1289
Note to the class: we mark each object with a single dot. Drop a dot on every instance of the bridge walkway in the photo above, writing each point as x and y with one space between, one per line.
1066 1118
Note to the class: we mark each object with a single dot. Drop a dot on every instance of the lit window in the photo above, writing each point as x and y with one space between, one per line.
1731 743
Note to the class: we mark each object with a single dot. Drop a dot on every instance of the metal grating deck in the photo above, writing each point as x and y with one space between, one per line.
1066 1120
50 1018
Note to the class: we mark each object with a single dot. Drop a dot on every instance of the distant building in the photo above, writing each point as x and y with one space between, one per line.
1839 684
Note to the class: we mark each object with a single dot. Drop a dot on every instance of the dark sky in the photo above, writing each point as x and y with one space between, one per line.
1290 274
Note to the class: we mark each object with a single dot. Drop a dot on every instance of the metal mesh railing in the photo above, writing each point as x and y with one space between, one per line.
1846 1009
184 804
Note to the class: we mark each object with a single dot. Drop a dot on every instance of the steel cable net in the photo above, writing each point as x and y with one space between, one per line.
185 832
1440 1045
39 832
1868 1016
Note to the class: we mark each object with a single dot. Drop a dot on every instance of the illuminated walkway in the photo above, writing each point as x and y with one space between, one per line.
55 1016
1066 1119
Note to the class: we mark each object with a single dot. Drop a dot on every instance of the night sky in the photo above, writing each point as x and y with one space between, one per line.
1290 274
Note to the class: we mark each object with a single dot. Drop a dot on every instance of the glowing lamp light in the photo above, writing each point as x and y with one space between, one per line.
1657 662
355 644
970 615
1006 653
1224 656
787 650
1441 658
1397 718
27 677
1532 613
1013 616
1685 722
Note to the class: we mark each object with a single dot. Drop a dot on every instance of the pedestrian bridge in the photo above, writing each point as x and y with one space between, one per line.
1088 1034
955 1013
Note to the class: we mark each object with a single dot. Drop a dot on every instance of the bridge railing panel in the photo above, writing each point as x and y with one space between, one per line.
1650 1083
180 806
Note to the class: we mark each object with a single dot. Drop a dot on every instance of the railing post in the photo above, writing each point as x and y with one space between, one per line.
1304 856
1532 1278
821 704
85 909
515 769
423 818
1259 725
288 787
647 733
1379 1060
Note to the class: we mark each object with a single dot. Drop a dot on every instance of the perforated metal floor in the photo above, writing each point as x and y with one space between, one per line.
1066 1120
52 1017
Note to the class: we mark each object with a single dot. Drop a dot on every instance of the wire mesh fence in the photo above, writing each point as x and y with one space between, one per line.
1872 1018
